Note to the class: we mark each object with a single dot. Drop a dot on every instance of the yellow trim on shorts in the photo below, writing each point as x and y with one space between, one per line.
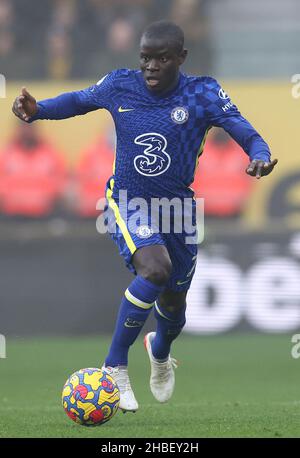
119 220
134 300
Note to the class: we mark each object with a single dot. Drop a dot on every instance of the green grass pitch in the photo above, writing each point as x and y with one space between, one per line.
237 385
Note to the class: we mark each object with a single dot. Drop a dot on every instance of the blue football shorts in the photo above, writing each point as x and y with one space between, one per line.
132 229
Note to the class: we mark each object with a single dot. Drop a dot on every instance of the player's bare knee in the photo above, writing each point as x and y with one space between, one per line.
158 272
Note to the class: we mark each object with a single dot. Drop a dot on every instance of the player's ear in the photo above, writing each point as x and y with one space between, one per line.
182 56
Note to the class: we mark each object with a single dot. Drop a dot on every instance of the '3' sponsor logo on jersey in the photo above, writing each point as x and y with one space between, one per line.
155 160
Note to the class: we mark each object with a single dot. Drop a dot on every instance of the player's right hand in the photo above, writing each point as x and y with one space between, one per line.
24 106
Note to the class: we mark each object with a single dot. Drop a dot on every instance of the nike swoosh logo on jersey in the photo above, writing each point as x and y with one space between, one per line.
122 110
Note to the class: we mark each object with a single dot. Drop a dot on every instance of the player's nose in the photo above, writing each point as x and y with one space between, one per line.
152 65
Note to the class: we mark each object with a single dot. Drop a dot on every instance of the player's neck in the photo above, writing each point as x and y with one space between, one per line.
173 85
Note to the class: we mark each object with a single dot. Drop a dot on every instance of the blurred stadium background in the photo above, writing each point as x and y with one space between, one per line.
248 271
58 275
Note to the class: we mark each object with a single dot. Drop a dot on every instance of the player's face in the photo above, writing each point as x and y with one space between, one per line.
160 62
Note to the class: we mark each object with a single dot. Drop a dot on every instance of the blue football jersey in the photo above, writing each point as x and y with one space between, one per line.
159 137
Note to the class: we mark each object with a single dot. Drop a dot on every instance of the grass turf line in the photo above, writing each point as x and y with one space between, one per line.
226 386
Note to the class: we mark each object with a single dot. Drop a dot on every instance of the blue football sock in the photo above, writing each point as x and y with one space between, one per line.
135 308
169 326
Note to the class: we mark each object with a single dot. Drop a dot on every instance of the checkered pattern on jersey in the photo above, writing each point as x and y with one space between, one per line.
139 114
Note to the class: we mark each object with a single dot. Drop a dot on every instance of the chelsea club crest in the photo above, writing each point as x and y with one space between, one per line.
180 115
143 232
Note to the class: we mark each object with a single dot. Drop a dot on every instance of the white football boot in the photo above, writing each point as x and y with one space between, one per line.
128 403
162 378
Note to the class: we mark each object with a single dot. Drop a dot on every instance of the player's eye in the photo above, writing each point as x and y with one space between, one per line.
164 59
145 58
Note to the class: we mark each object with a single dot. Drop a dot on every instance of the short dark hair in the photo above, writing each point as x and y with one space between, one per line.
166 30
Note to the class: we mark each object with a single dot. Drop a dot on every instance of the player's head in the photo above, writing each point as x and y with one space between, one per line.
161 54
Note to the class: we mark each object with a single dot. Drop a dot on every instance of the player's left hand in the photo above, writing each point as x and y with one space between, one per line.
259 169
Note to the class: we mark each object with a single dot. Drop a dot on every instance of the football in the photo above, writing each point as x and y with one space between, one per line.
90 397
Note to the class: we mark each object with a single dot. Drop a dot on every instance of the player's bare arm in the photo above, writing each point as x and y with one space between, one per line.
24 106
259 169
